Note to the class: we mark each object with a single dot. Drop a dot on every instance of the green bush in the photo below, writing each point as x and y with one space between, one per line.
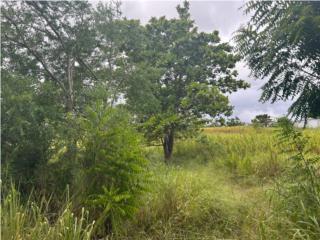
112 168
27 129
298 194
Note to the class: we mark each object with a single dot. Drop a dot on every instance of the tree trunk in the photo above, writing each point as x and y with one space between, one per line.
70 94
70 103
305 123
168 145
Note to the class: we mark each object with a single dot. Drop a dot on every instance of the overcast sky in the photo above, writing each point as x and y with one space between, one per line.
226 17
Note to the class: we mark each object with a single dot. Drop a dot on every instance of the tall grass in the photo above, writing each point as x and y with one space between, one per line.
197 198
244 151
250 153
299 191
220 185
32 221
188 204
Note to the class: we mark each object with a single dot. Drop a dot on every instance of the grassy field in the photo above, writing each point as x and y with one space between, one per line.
219 185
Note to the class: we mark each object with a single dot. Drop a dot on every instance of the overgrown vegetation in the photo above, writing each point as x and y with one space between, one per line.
92 100
32 220
233 182
299 191
112 168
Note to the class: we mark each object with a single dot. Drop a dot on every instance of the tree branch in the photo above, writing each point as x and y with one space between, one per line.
29 48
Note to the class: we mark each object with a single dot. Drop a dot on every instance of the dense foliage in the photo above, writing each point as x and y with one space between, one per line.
112 168
45 40
60 78
28 117
90 52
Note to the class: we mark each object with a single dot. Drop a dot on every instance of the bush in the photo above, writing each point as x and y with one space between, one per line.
26 130
112 168
298 193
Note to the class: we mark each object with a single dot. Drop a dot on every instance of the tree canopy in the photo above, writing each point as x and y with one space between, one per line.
262 120
70 43
51 41
180 77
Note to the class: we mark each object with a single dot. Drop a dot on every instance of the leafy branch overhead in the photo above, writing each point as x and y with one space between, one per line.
281 43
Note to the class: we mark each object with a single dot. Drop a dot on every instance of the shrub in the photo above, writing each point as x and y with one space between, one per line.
26 130
299 191
113 170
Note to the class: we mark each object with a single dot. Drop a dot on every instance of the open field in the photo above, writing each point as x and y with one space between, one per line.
219 185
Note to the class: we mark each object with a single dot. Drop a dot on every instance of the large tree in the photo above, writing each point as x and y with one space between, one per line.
53 62
70 43
179 78
49 41
281 43
113 69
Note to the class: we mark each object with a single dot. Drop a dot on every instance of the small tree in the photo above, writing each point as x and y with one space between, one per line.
180 77
262 120
231 122
111 164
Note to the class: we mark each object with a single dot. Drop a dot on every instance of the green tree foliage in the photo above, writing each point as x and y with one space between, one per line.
180 77
230 122
113 68
234 122
281 43
28 118
221 121
50 41
51 66
263 120
112 168
71 43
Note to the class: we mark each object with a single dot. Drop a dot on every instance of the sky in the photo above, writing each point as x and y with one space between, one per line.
226 17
